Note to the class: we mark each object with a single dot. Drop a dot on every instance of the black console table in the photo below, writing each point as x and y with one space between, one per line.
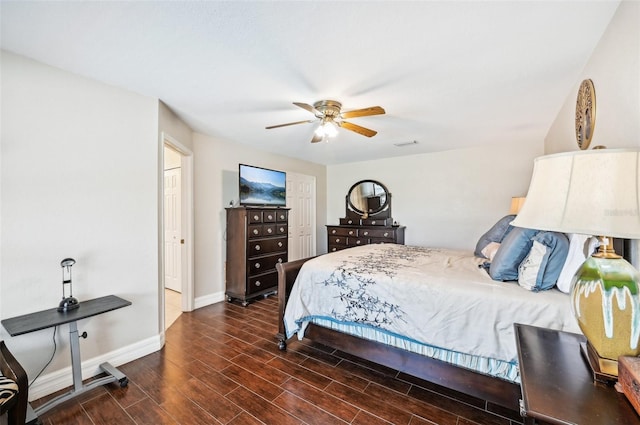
49 318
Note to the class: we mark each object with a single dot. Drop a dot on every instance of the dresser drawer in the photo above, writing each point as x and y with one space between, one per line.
254 231
334 248
267 246
260 265
269 230
281 216
382 240
342 231
337 240
378 233
262 282
350 221
376 222
357 241
254 216
269 216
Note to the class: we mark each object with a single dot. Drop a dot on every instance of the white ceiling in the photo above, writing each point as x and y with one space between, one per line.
450 74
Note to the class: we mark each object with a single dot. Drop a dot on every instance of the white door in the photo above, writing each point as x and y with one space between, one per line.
301 198
172 226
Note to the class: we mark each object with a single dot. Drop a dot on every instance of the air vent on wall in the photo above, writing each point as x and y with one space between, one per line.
403 144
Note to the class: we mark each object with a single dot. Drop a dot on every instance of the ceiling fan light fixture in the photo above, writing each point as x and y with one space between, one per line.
328 112
327 129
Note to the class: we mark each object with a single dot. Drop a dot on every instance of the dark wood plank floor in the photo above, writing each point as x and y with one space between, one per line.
221 365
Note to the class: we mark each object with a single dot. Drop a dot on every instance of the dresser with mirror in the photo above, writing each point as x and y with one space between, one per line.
367 218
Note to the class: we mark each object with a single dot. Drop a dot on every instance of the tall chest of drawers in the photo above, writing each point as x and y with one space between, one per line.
348 236
256 242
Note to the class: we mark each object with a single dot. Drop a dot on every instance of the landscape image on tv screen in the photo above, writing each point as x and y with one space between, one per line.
261 186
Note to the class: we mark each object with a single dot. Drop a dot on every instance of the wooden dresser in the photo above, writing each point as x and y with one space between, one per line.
350 235
368 218
256 242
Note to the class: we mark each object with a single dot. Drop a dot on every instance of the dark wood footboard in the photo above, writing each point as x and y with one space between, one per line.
485 387
287 273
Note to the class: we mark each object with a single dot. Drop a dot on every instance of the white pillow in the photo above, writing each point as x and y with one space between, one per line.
490 250
580 247
530 266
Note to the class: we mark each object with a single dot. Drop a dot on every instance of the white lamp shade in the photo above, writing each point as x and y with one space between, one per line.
592 192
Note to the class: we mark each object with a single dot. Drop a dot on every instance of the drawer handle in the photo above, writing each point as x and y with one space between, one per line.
256 217
337 239
282 230
333 231
269 231
282 217
373 222
366 233
358 242
257 265
350 232
386 234
280 244
258 283
255 231
279 260
333 250
258 248
350 222
270 217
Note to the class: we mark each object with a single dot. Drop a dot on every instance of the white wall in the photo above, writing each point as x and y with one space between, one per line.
614 68
446 199
172 125
79 179
216 185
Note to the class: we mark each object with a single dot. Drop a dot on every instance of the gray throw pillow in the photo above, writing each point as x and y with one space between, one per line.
496 234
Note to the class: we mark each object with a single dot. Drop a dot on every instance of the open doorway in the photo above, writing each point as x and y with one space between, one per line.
177 232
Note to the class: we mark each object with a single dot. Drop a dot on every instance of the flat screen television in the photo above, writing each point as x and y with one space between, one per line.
261 186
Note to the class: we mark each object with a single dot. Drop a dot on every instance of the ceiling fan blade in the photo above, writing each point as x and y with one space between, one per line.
316 138
290 123
374 110
309 108
358 129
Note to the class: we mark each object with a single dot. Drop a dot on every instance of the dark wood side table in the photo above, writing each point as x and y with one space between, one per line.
557 385
32 322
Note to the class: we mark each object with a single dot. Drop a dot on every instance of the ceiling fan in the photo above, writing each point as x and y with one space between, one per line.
330 117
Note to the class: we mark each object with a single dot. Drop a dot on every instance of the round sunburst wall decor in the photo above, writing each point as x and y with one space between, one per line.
585 113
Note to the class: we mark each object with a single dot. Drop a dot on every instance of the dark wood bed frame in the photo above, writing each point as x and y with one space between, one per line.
16 409
485 387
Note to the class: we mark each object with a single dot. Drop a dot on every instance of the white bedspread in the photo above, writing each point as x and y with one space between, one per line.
436 297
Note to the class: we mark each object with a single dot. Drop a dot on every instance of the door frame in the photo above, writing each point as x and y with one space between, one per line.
187 251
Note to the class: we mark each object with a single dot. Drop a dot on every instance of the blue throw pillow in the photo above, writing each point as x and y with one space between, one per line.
514 247
541 268
495 234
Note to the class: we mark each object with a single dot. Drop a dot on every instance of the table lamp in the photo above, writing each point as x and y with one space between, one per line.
67 303
516 204
596 193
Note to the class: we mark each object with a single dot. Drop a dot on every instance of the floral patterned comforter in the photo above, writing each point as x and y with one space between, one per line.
436 297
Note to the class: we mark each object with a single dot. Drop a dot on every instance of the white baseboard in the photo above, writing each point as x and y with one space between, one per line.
209 299
60 379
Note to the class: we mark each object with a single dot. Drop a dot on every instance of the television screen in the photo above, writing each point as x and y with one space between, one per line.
261 186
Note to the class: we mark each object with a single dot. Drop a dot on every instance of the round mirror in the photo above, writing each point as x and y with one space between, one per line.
368 196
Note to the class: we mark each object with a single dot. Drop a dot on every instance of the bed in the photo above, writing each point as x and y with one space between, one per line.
432 313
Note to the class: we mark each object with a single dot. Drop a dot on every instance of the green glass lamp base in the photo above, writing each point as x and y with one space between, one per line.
606 303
